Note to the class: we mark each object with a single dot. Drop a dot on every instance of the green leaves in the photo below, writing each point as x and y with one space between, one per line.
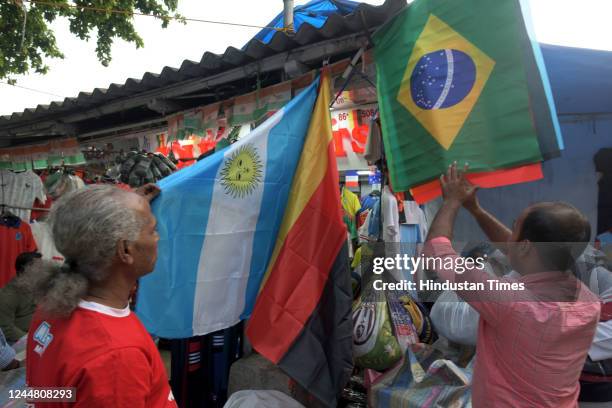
24 48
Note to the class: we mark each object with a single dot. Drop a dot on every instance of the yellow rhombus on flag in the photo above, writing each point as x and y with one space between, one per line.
444 117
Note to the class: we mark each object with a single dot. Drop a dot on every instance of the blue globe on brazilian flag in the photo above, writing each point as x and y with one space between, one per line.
455 81
445 77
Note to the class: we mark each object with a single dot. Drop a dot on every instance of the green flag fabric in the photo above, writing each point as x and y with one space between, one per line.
452 86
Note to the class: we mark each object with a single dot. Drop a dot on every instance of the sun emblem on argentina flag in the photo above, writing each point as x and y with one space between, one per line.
242 172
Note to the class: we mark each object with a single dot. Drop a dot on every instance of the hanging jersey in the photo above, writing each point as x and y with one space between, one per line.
44 241
14 240
21 190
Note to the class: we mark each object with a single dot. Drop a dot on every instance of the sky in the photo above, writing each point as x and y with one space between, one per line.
575 23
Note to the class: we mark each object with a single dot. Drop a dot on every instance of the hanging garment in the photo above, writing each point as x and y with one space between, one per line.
21 190
351 205
44 241
374 222
373 149
415 215
15 239
350 202
390 216
39 208
367 202
137 169
364 230
60 183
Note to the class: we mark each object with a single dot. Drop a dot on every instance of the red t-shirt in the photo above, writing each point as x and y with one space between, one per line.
105 353
13 242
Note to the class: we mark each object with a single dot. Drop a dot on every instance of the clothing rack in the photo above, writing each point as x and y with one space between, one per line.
3 206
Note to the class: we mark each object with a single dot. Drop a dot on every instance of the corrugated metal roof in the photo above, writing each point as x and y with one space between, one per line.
212 64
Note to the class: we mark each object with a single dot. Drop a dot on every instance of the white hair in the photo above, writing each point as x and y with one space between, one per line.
87 224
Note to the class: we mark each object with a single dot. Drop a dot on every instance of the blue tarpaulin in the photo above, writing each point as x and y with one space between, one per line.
314 13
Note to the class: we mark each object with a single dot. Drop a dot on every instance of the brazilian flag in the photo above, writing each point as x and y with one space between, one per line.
457 80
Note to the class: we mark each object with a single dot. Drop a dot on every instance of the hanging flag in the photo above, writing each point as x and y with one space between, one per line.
6 162
39 156
489 179
352 179
272 98
192 123
218 220
244 109
175 127
302 317
210 114
71 152
375 178
452 86
65 152
540 92
256 105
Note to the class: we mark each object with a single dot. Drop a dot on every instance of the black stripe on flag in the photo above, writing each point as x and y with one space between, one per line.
321 358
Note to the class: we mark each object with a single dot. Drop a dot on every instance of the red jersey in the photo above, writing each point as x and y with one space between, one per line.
14 240
104 353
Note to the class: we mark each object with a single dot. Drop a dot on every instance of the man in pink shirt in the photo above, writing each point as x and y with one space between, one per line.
532 340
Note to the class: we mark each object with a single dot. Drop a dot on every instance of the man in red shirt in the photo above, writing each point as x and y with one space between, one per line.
83 334
534 331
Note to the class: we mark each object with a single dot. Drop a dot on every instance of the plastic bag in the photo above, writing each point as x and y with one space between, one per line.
374 344
455 319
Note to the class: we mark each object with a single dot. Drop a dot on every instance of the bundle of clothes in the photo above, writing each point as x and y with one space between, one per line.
139 168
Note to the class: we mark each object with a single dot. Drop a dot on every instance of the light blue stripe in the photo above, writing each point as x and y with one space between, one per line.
165 297
285 143
537 52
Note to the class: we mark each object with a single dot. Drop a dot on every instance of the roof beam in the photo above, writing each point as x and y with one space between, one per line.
308 54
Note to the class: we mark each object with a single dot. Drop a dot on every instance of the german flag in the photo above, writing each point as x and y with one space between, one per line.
301 320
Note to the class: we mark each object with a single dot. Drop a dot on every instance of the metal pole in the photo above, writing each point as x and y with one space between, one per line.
288 15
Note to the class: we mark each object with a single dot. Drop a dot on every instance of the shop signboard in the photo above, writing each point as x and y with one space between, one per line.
350 128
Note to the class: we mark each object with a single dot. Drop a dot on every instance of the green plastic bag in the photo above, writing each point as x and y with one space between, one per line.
374 344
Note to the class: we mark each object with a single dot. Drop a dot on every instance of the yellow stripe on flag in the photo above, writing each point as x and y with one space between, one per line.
310 170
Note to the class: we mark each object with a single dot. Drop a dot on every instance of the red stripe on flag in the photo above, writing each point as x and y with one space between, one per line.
300 273
522 174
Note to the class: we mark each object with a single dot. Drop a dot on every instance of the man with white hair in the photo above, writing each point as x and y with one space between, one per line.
83 334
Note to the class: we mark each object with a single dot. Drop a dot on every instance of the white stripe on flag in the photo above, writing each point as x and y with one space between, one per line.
225 260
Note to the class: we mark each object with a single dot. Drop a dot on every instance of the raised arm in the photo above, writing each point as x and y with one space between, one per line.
497 232
491 304
456 191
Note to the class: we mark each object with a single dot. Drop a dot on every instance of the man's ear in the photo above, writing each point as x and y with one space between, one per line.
125 251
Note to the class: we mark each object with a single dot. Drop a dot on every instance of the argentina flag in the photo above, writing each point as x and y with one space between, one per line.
218 221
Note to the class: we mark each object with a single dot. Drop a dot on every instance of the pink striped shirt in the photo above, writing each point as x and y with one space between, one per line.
531 347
